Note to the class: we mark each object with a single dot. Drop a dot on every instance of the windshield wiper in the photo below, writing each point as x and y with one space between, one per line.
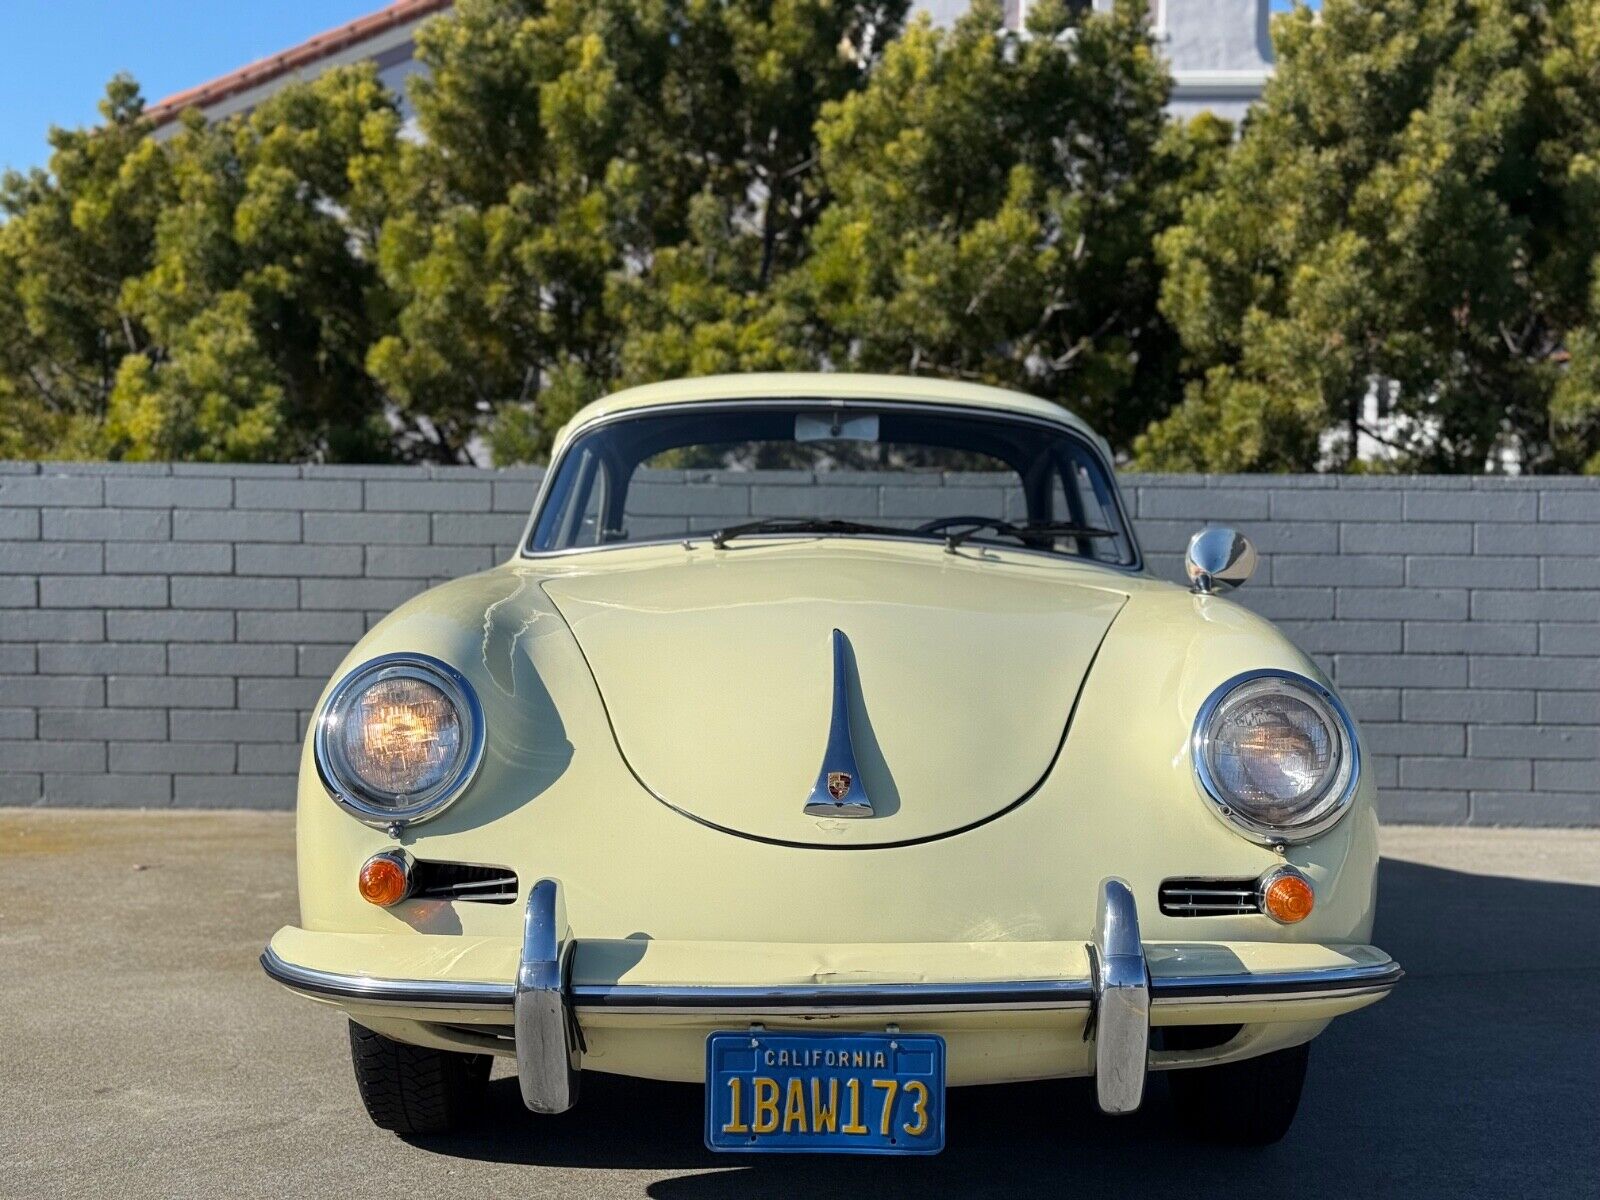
721 537
1027 531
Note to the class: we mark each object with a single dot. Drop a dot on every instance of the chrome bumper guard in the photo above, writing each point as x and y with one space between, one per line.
1121 1001
545 1025
544 1001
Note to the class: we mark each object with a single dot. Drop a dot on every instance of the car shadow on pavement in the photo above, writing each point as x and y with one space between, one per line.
1478 1076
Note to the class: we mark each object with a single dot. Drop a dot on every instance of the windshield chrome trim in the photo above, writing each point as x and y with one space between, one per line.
802 403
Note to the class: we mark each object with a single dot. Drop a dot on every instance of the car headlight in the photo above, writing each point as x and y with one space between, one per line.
399 738
1276 754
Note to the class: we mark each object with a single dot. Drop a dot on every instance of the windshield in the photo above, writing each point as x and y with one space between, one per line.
878 470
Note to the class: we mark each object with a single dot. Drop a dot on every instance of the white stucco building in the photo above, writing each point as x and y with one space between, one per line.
385 37
1219 51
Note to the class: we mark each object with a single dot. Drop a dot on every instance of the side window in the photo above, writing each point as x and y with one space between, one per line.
583 508
1084 496
591 529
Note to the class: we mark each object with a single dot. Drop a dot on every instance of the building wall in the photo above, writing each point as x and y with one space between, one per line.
165 630
1219 50
1214 35
392 51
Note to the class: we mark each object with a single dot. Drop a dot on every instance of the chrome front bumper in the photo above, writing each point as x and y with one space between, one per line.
543 1003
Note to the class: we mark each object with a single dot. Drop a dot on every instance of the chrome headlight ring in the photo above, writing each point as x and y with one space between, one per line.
366 802
1330 804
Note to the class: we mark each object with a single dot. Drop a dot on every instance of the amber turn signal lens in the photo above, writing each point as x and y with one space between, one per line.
385 880
1288 898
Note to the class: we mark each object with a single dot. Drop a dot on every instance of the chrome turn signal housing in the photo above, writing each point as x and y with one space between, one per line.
1286 895
385 879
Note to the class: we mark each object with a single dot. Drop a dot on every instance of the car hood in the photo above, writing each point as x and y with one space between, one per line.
959 674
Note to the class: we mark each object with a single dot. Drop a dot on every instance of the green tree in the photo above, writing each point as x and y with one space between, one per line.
996 200
576 155
212 296
986 210
1572 74
713 303
215 397
262 295
1410 214
71 235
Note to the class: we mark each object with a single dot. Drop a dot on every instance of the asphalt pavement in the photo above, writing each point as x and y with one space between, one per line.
143 1054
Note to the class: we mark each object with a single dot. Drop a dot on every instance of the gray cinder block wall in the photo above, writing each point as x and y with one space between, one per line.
165 630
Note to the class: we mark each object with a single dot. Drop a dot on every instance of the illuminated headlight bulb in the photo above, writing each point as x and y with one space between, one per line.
402 736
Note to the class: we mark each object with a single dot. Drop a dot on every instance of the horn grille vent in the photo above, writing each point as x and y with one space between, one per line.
463 881
1209 897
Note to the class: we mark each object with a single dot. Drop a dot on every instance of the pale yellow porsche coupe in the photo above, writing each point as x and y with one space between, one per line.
825 742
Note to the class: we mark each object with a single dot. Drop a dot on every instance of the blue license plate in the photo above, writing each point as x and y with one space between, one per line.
825 1093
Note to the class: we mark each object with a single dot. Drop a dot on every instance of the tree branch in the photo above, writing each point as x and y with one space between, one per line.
1062 361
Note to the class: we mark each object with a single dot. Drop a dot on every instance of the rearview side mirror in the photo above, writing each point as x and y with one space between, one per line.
1218 560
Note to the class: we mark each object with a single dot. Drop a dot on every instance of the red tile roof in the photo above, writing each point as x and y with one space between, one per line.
308 52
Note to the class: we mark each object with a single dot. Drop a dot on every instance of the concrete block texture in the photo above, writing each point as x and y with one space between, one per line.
166 630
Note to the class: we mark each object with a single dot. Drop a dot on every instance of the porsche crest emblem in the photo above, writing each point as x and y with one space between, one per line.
839 790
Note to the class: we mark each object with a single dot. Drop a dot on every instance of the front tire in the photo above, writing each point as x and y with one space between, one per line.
1248 1103
413 1089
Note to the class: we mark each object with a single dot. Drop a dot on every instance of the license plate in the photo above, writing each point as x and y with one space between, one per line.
825 1093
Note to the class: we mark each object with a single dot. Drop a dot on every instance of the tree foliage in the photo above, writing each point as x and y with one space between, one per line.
208 297
996 198
1409 216
259 298
982 207
71 237
605 192
570 148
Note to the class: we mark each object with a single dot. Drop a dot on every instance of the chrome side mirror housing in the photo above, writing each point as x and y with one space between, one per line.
1218 560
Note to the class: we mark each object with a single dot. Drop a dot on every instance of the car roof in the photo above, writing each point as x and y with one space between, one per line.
800 385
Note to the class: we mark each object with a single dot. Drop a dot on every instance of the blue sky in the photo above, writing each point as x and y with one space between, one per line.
56 55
